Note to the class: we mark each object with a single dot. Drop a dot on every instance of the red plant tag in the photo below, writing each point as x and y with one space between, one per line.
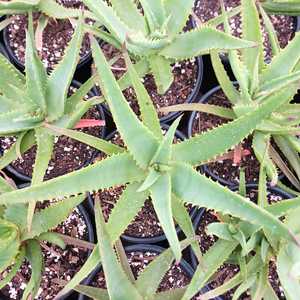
84 123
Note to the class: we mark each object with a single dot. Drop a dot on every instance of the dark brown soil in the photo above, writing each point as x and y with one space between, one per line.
226 169
185 77
56 37
206 240
60 265
275 282
272 196
284 25
68 154
176 277
145 224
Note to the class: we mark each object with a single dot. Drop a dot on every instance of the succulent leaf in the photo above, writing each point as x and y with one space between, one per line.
149 280
162 72
14 269
133 132
127 207
284 63
217 141
120 169
35 257
197 189
115 276
106 15
97 143
148 112
60 79
129 14
212 259
179 13
186 45
36 73
27 142
9 243
161 199
155 13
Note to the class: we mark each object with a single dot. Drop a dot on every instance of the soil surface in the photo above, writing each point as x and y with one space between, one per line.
145 224
68 154
55 37
185 77
226 169
284 25
176 277
60 265
227 271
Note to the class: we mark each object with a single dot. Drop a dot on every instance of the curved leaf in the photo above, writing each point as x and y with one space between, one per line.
133 132
114 274
161 199
35 258
187 45
206 146
61 77
118 170
197 189
212 260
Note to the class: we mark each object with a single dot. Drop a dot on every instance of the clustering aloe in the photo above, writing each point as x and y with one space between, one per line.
157 36
18 244
153 166
36 108
259 81
253 249
36 100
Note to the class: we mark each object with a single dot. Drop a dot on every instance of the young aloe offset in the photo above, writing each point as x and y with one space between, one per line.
17 244
252 249
257 82
157 36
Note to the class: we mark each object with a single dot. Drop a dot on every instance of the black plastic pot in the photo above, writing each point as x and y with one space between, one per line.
91 239
193 115
200 213
297 23
2 50
146 240
25 178
143 248
83 61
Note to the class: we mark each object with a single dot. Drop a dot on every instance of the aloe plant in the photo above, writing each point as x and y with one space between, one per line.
253 249
31 102
157 36
17 243
257 82
282 7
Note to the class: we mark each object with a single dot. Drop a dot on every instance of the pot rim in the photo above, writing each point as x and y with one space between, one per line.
82 61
